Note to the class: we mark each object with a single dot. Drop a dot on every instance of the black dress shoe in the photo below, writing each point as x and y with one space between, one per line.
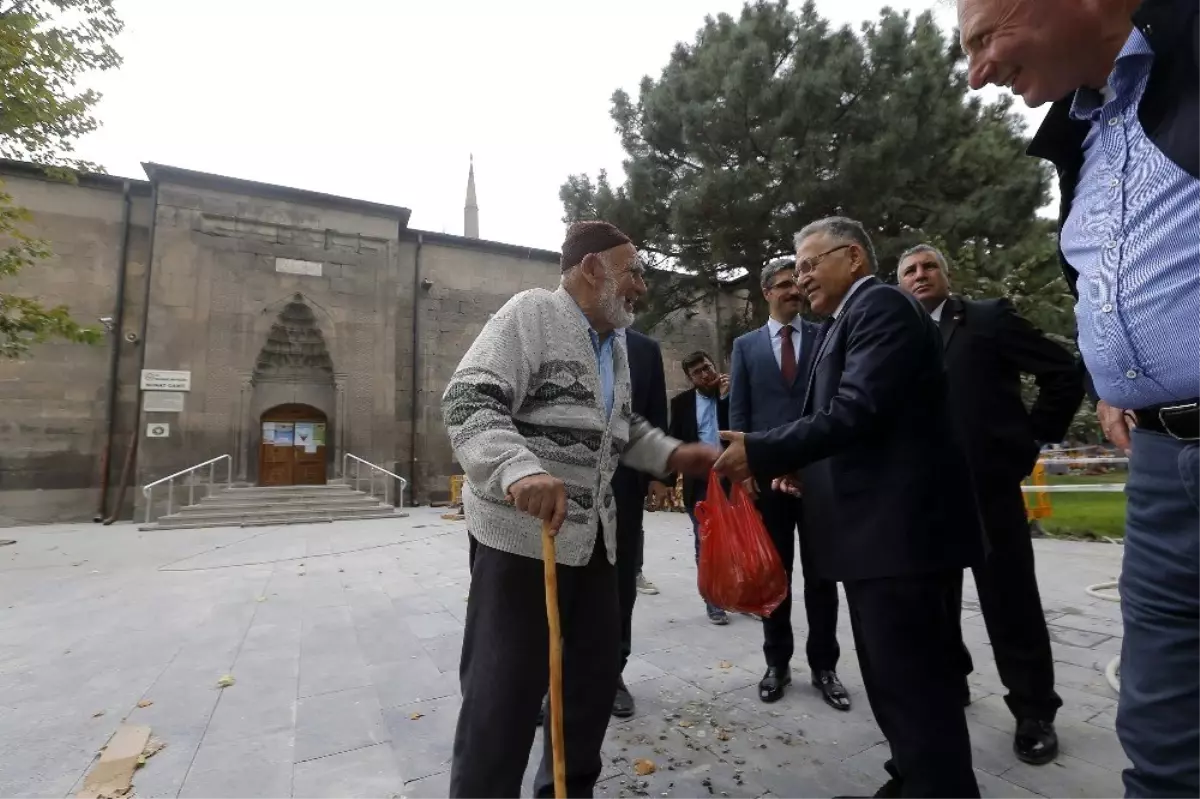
1036 742
832 690
623 706
770 689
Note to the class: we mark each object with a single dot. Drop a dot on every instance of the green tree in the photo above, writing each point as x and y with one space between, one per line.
771 120
45 47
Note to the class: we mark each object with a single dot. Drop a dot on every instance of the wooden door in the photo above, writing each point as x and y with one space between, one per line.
309 453
277 454
292 451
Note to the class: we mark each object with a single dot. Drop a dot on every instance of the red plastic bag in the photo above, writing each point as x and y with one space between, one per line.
740 569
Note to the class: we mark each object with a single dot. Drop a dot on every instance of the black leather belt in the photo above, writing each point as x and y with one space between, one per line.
1179 420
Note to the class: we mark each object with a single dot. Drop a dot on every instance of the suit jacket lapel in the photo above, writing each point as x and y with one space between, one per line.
827 330
767 349
952 316
693 417
808 344
819 346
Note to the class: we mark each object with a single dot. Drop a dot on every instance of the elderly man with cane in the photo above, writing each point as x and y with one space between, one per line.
539 416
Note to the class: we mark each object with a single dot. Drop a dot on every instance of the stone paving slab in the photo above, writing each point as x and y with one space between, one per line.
344 639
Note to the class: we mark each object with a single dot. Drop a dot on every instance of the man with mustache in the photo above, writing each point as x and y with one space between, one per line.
897 538
988 348
539 416
1124 80
699 414
770 373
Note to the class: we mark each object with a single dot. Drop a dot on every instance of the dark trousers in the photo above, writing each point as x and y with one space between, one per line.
781 515
906 641
691 512
1160 606
505 670
630 540
1011 605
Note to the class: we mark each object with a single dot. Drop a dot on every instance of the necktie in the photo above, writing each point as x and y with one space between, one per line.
787 355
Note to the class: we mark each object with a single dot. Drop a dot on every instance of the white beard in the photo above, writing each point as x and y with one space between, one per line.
613 305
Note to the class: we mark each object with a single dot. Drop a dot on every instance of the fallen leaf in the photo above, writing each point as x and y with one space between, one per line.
642 767
685 723
416 716
98 714
722 735
226 681
725 664
146 703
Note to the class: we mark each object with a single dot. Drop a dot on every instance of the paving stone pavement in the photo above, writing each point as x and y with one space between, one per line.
343 640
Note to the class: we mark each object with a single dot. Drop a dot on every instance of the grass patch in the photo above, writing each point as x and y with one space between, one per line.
1086 515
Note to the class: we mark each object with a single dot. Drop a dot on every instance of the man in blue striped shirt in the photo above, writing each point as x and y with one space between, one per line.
1123 136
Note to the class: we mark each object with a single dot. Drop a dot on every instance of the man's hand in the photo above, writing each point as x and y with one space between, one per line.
723 382
733 463
788 484
693 460
1115 425
751 487
659 494
542 496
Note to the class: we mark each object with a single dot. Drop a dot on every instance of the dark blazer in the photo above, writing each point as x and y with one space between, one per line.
685 427
648 385
758 398
886 487
988 347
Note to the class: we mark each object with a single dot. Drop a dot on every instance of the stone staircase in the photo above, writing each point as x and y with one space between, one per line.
260 506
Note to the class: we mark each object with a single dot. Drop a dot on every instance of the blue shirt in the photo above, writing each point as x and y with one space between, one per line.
706 419
604 360
1132 235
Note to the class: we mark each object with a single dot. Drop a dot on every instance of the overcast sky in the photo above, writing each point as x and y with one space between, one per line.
385 100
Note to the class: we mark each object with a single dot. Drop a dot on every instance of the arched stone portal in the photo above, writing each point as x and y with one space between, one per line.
293 446
293 405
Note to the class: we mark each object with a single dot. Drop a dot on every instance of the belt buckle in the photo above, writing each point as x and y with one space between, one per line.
1168 409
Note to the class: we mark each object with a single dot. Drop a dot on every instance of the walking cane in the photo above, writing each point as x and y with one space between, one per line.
556 710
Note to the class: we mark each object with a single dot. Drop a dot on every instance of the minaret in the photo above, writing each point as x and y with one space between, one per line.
471 211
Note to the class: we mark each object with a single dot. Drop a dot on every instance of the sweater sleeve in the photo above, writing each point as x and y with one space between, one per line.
485 391
649 448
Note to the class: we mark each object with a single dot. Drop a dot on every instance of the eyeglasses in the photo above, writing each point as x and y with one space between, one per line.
809 264
783 285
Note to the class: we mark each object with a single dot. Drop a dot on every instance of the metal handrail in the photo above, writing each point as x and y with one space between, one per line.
359 463
211 463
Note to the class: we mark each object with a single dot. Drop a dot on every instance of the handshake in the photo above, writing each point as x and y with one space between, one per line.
544 496
735 465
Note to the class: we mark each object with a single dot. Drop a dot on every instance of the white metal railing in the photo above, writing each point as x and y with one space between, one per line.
191 485
1094 488
372 471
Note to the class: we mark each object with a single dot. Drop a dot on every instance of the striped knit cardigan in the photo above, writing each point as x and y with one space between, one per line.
526 399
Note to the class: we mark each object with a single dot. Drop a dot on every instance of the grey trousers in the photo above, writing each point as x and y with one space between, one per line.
505 673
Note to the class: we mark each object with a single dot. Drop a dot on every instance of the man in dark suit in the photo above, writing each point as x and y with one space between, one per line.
699 414
889 508
988 348
649 387
769 375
